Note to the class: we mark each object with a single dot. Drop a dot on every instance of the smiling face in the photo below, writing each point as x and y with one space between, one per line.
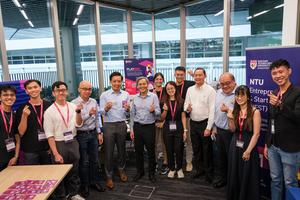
158 81
116 83
60 93
280 75
241 99
199 77
85 89
180 76
33 89
171 90
142 85
7 97
227 83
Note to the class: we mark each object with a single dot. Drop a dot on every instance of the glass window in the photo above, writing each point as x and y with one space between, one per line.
114 41
253 24
167 33
77 29
28 34
204 35
142 35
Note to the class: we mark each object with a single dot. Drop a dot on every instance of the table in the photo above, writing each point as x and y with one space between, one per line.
33 172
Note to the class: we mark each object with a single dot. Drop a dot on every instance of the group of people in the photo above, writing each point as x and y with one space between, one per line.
181 116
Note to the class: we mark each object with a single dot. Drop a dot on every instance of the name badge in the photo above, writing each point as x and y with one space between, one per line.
41 135
272 126
68 136
172 126
240 143
10 144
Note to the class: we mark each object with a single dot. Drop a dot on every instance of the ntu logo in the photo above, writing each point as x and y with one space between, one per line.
253 64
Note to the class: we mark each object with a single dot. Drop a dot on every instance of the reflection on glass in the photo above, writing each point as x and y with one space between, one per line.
114 41
29 41
253 24
167 32
77 29
204 37
142 35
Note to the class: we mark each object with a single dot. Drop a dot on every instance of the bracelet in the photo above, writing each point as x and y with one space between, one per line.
185 130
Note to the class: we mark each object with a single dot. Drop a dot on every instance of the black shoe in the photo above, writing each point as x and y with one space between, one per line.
97 187
208 179
219 184
198 174
84 191
164 170
138 176
152 178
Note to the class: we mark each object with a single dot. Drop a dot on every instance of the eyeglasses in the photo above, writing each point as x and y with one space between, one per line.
225 84
60 90
86 89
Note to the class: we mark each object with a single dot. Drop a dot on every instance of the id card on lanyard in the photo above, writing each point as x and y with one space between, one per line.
172 124
279 96
41 133
9 142
68 135
240 142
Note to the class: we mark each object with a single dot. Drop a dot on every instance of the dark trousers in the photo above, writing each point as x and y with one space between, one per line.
144 135
174 145
71 183
202 148
114 134
37 158
3 165
89 162
223 142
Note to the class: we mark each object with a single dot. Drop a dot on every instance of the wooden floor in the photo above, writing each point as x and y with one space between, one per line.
164 188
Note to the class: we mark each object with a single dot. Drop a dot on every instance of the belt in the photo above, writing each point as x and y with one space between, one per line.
137 123
86 131
199 122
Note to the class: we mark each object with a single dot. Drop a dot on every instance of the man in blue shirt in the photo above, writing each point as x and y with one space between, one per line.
114 107
224 102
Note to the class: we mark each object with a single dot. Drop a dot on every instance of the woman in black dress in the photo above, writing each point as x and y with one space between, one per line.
243 167
174 130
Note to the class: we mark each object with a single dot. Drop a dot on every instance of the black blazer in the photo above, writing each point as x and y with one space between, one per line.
287 121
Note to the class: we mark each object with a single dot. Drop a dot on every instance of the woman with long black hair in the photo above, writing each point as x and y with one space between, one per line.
243 167
174 130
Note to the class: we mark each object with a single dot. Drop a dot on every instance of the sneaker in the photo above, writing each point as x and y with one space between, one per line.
77 197
164 170
180 174
171 174
189 167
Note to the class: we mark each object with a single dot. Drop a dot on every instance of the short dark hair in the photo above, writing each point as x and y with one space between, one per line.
57 84
200 68
115 74
180 68
30 81
6 88
157 75
278 63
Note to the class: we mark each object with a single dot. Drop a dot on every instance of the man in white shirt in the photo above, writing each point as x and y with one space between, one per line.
200 103
60 122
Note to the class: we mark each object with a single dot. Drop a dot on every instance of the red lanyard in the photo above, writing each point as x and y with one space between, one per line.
173 111
279 96
39 118
160 94
68 114
8 130
241 123
181 90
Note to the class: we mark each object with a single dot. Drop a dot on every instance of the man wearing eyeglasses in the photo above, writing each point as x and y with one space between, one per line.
89 136
60 122
224 102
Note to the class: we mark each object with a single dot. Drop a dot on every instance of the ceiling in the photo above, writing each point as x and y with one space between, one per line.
113 20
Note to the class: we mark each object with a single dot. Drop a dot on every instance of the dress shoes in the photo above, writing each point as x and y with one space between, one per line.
198 174
97 187
138 176
109 183
84 191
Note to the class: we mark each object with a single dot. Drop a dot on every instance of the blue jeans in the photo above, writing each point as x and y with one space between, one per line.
88 163
283 167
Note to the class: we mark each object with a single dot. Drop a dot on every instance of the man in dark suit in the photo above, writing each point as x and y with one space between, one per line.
282 147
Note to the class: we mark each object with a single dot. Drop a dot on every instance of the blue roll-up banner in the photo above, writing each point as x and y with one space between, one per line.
259 80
